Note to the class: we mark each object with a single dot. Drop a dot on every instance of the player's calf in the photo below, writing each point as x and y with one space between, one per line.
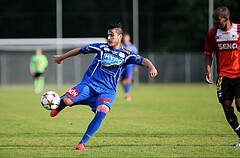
95 124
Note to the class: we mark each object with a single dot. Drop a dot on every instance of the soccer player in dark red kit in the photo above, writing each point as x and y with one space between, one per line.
223 40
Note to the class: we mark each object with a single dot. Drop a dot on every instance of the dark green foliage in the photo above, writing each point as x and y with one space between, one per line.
164 26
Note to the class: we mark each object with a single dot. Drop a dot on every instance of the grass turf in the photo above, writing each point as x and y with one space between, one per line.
162 120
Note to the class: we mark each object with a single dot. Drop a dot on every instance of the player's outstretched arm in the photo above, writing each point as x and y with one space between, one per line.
59 58
148 64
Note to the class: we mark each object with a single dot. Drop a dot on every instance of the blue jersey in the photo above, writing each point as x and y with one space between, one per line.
107 66
129 71
130 46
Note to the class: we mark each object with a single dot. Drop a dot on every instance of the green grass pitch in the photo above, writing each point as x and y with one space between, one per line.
162 120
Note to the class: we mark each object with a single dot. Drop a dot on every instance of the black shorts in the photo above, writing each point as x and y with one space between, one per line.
38 74
228 88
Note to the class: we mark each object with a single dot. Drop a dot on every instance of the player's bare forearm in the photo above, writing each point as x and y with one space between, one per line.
59 58
152 69
208 64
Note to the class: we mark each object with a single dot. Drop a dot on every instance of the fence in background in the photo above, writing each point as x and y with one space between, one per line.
180 68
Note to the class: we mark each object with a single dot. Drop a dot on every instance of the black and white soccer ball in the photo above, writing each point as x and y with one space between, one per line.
50 100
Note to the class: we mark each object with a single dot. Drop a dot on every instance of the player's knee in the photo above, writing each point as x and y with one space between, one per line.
103 108
227 105
237 103
126 81
238 107
67 101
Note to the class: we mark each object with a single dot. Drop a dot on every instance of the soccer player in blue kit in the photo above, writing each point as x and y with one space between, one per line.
128 72
98 86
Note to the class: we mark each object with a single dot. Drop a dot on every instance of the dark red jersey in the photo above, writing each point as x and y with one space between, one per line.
226 46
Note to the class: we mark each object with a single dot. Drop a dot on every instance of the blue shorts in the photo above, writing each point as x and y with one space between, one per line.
128 72
86 95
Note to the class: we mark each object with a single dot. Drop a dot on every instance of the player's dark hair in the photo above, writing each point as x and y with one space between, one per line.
117 26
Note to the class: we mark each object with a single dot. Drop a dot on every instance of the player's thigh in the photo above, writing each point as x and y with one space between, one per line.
127 76
224 89
236 87
104 99
79 92
237 92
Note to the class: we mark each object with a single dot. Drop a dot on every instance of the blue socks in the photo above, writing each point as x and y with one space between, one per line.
93 127
61 105
127 88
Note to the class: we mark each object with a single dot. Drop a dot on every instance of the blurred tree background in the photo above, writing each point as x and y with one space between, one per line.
164 26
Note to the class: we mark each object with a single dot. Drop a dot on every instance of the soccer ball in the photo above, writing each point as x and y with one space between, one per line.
50 100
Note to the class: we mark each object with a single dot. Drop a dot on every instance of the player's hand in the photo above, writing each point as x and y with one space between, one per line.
57 59
32 73
153 72
208 78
